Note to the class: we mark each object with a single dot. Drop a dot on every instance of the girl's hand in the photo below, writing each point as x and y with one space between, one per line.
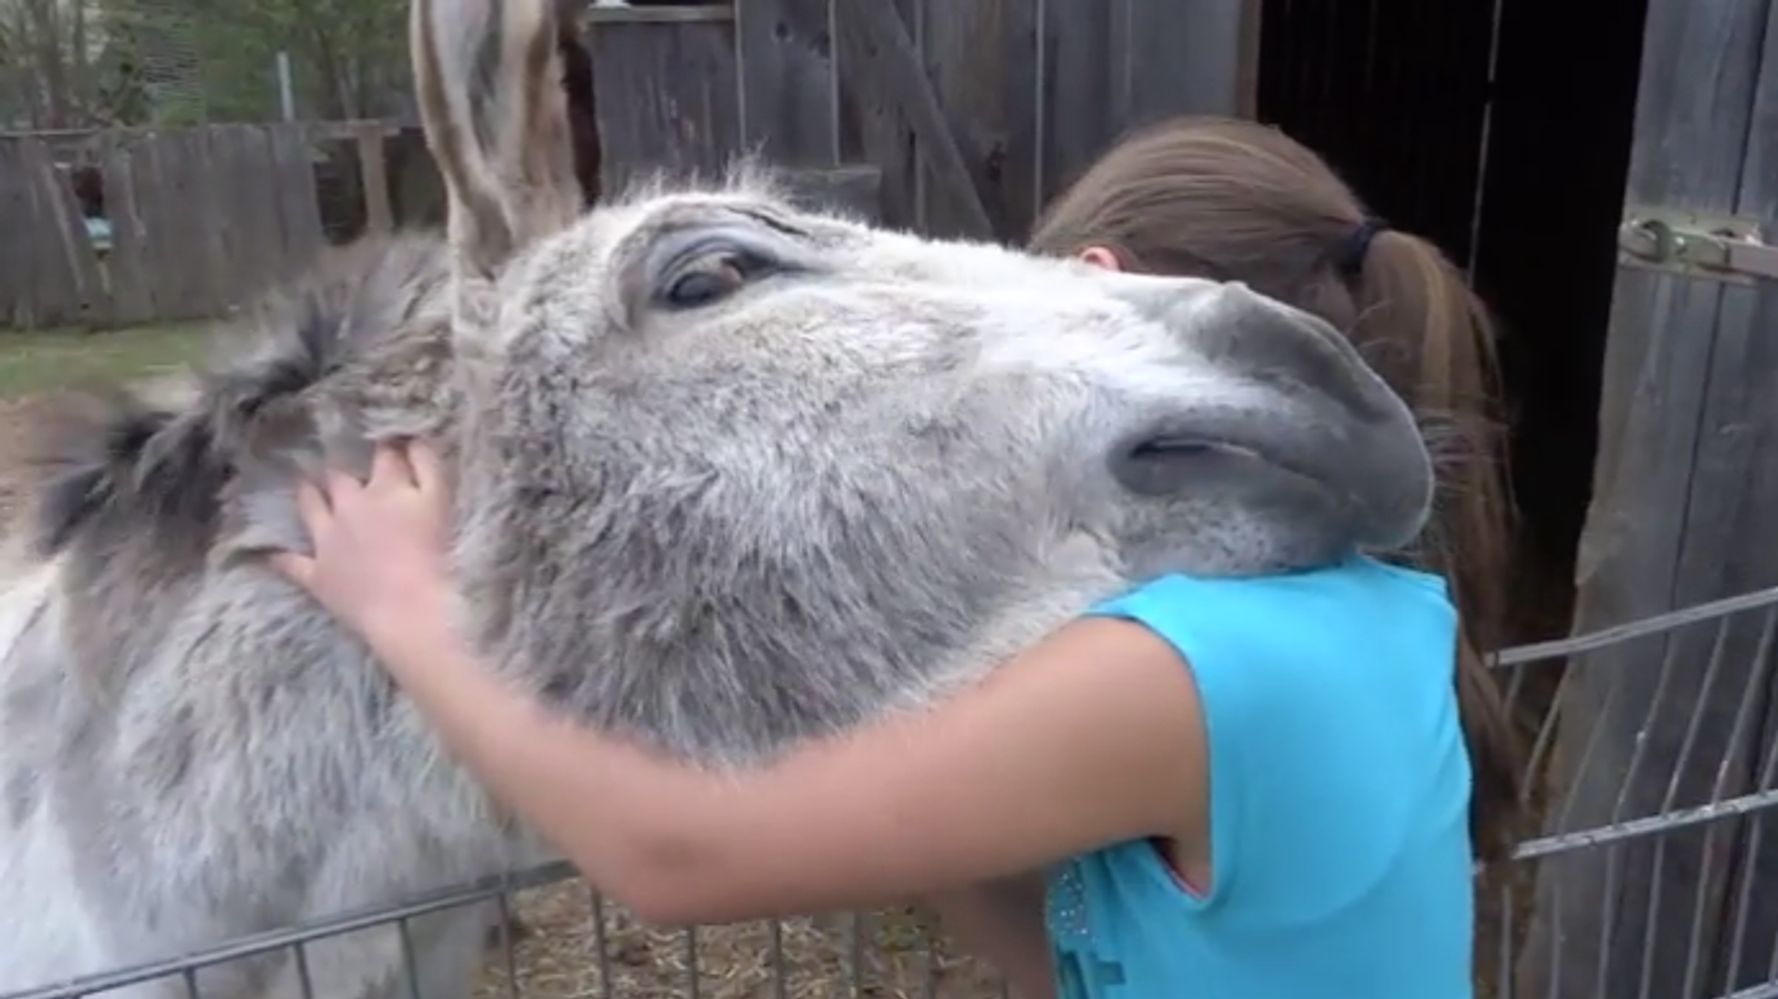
380 557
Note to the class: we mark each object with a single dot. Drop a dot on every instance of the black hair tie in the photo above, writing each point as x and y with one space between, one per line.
1350 255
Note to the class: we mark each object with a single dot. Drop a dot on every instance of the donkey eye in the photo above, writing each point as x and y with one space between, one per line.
708 280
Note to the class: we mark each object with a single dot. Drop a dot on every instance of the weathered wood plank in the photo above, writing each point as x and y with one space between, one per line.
1739 448
689 14
298 203
1247 73
373 172
1184 57
209 208
317 130
238 184
856 189
86 282
875 129
981 56
256 229
158 248
55 291
1076 81
667 99
132 293
178 228
784 51
1684 509
878 57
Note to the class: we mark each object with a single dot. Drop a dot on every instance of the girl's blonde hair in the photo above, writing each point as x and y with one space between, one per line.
1238 201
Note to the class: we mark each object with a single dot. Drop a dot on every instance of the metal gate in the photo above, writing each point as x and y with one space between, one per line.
1691 657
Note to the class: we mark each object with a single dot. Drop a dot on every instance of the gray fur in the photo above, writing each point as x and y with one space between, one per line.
859 480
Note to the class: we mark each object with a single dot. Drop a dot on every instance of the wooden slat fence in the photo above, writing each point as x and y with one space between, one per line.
200 219
953 117
973 112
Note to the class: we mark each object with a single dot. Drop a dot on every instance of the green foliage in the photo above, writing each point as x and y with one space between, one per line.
216 60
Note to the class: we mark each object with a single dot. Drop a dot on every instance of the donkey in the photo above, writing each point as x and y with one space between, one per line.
729 474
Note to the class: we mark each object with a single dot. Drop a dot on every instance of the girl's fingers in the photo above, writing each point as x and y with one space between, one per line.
428 470
312 507
390 466
299 569
341 487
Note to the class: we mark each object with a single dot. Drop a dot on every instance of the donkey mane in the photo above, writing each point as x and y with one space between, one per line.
116 463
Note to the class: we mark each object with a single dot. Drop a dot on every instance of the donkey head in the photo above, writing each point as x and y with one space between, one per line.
782 467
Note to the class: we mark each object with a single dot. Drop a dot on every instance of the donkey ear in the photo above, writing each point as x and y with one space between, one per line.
488 76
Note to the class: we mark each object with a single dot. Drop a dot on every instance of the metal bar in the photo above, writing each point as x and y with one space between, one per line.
600 944
1617 634
1694 964
1503 984
1555 938
405 930
694 979
780 974
1614 854
512 973
264 943
1693 725
304 979
1751 863
1594 738
1757 677
1689 244
1655 825
855 953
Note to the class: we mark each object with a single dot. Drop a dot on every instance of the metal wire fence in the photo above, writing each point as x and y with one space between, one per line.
1529 944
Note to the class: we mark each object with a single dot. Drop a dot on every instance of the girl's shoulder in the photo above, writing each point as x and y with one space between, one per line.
1331 723
1352 598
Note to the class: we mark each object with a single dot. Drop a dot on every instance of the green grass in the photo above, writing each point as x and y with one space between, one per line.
48 360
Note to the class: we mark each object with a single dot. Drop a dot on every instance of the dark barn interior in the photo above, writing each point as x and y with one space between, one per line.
1500 129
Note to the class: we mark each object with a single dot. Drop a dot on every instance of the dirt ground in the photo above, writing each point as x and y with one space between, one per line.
893 955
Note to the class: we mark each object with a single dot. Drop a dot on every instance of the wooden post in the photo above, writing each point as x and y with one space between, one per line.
373 171
1685 509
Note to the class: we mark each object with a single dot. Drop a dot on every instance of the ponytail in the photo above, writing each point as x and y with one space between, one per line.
1433 338
1235 200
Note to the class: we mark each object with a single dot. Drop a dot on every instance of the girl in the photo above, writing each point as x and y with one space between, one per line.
1234 200
1252 788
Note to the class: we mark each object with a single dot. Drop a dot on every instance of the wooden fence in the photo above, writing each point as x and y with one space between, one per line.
975 112
199 219
953 117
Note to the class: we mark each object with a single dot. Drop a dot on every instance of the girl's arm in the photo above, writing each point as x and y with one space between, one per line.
1093 736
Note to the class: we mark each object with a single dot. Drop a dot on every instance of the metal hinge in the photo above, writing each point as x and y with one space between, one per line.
1711 247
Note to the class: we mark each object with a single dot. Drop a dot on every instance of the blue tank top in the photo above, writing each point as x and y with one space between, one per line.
1339 792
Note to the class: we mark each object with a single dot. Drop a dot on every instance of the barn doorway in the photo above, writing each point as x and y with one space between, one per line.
1501 130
